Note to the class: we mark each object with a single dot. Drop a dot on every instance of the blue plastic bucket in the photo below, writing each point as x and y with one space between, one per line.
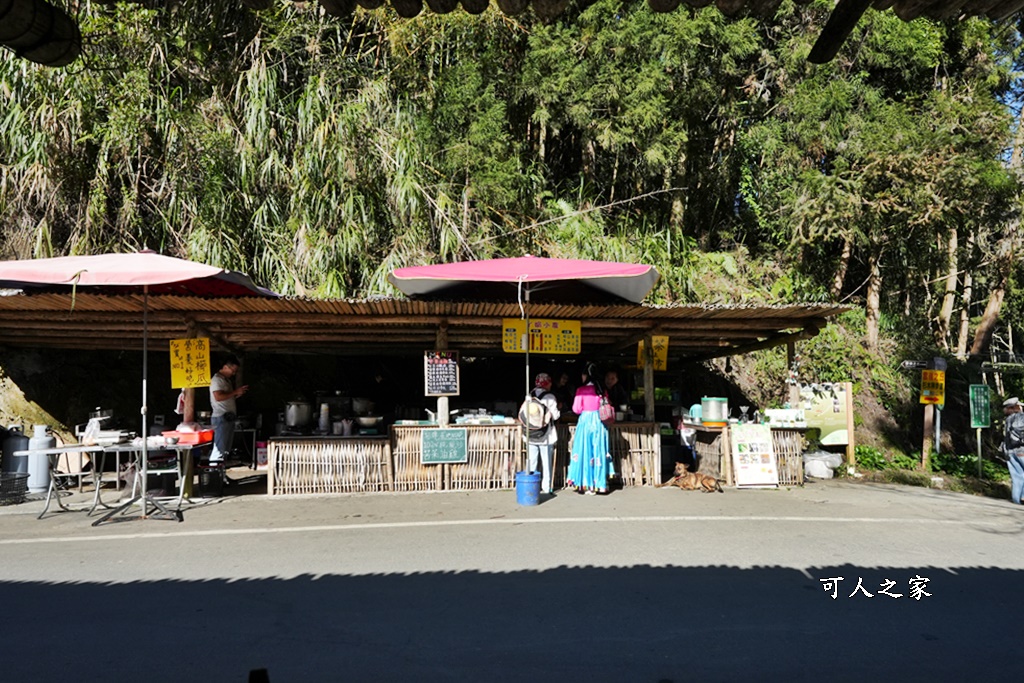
528 488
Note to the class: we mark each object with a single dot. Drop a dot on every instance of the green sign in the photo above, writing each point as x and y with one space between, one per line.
981 410
443 445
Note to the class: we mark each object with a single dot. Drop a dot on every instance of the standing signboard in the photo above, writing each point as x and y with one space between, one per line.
753 456
190 363
827 407
981 414
981 406
442 445
933 387
441 373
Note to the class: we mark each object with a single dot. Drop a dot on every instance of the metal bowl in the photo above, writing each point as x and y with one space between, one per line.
369 421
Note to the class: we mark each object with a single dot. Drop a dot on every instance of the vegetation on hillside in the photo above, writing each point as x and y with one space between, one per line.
319 153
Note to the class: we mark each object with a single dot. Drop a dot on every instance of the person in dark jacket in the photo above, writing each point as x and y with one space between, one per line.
1013 447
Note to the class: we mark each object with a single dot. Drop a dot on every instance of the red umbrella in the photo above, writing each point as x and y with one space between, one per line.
552 279
147 271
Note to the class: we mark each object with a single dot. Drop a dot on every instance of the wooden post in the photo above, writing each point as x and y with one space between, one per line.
725 455
926 446
648 378
793 388
190 394
851 445
441 344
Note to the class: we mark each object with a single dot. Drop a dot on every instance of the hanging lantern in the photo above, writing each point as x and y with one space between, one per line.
39 32
663 6
407 9
546 10
442 6
338 8
513 7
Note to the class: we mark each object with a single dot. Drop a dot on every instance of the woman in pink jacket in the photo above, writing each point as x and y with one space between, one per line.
590 463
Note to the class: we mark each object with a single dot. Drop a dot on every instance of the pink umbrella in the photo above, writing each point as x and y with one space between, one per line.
119 273
553 279
563 278
145 270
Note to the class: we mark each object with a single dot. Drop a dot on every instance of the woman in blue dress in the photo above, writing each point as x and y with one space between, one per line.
590 463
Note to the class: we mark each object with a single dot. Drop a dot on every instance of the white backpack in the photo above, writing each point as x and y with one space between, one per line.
535 416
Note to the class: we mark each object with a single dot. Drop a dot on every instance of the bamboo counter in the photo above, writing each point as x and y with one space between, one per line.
369 464
713 451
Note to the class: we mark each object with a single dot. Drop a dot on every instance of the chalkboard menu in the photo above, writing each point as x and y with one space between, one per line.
441 373
443 445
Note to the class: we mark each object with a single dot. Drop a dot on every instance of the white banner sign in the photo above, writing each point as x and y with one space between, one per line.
753 456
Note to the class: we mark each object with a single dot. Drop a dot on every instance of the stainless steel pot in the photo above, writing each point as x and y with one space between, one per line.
714 410
298 413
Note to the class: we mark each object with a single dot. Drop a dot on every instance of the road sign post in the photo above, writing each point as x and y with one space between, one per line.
981 414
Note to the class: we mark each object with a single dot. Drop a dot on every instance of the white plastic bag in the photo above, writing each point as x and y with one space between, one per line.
819 464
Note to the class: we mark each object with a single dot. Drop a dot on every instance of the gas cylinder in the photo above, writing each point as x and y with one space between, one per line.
15 441
39 465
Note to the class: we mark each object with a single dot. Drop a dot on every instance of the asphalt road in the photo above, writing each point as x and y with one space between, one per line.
641 585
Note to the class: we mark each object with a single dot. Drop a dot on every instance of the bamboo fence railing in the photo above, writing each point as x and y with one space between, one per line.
494 454
714 455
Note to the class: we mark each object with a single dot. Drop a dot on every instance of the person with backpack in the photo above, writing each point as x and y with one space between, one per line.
538 415
1013 447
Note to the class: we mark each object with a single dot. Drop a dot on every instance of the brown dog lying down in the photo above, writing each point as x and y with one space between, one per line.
693 481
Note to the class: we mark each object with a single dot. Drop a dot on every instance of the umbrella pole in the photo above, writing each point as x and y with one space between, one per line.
526 310
142 472
144 467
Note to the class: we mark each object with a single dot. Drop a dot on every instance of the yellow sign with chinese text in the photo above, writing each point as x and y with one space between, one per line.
546 336
933 387
190 363
659 343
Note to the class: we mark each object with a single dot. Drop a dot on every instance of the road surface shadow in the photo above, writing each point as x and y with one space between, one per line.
569 623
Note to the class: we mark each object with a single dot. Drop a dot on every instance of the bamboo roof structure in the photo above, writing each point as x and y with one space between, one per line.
388 326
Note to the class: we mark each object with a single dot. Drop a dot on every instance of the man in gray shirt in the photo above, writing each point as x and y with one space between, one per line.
222 400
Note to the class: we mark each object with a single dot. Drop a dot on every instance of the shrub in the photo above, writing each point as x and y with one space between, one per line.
967 466
870 458
902 461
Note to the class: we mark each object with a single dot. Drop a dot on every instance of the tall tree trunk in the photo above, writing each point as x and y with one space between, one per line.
589 153
874 296
966 299
989 319
844 265
965 316
949 297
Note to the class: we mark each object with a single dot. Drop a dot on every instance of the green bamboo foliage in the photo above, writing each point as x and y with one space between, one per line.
319 153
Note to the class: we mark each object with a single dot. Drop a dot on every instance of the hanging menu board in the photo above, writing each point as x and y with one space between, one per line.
190 363
443 445
441 373
659 343
546 336
753 456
